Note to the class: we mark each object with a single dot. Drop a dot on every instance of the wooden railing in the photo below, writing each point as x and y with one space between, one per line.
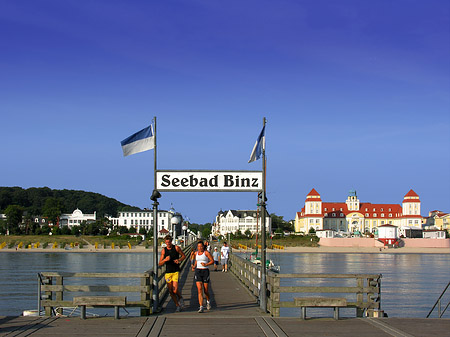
364 294
56 290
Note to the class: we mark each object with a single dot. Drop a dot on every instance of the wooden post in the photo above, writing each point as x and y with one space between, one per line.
146 295
275 296
48 297
59 294
360 297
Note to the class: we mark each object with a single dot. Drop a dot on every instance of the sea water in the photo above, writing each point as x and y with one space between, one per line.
410 284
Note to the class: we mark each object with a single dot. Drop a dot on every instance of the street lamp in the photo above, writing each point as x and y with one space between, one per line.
174 221
184 228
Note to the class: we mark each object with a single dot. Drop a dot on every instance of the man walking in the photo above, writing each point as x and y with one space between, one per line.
172 256
216 256
225 253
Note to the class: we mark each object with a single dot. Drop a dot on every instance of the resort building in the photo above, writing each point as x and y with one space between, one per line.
76 218
232 221
355 216
437 219
144 220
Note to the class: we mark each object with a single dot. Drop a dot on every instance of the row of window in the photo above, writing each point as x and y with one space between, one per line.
141 215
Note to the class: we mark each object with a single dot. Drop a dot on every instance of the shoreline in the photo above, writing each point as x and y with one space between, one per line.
318 250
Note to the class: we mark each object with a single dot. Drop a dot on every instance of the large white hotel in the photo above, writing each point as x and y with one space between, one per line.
353 215
232 221
137 219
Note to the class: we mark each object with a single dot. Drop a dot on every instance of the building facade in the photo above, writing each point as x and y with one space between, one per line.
355 216
144 220
232 221
76 218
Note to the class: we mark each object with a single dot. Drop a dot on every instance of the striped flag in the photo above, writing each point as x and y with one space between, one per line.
259 146
139 142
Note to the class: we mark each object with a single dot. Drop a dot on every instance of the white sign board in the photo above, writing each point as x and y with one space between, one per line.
209 181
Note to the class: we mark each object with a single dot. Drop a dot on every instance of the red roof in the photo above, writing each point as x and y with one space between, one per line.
313 192
411 193
164 231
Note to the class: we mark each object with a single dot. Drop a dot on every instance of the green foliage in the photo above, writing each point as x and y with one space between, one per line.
52 209
248 233
45 245
14 218
33 201
312 231
280 225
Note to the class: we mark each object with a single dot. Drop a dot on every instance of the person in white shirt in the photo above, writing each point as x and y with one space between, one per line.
202 259
224 253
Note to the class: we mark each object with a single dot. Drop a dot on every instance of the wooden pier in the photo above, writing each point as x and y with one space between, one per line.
235 312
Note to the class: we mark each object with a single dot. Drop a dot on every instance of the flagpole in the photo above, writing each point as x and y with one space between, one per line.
263 290
155 229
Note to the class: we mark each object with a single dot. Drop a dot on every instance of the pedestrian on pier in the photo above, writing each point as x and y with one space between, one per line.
172 256
216 256
202 259
225 254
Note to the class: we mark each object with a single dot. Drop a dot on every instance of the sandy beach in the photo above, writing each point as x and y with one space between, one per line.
321 249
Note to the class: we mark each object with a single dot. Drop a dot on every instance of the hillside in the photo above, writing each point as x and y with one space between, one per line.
33 199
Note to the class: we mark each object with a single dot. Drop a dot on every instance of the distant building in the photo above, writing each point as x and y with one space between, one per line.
437 219
144 220
355 216
76 218
233 220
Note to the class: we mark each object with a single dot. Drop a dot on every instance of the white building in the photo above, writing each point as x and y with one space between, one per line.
144 219
233 220
76 218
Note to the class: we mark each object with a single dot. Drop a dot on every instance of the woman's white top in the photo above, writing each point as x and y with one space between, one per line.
201 258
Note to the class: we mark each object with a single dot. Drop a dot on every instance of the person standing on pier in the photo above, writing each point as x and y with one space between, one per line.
202 259
216 256
225 253
172 256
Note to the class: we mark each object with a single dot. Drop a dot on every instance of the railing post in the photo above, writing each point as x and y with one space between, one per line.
48 297
146 294
59 293
360 297
275 295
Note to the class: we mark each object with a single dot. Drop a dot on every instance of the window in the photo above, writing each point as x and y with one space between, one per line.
382 210
382 215
342 214
374 215
367 214
124 221
382 222
334 214
131 221
389 209
390 215
325 209
128 214
162 222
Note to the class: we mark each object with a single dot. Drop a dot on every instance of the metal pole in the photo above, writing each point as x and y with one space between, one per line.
263 289
155 232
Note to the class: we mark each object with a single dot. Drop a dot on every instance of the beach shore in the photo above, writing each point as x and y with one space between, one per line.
320 249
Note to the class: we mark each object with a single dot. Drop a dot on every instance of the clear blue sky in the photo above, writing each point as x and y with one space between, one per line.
356 93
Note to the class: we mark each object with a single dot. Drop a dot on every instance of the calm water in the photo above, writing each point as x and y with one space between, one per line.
411 283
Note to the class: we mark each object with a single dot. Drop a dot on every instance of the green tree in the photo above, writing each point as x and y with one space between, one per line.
248 233
14 218
52 209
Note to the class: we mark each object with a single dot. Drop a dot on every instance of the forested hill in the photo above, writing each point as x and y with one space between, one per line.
34 200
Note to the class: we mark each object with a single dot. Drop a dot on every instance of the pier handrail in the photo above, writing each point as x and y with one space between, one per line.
51 287
438 304
367 288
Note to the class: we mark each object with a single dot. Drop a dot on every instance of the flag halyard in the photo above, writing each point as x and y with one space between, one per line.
139 142
259 146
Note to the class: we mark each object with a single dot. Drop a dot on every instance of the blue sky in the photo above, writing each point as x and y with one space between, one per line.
356 94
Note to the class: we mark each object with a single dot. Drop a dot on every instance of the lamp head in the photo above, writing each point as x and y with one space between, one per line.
155 195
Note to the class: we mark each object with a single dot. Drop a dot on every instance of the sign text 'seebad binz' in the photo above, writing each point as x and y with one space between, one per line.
203 181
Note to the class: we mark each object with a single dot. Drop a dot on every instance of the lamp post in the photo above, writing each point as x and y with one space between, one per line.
174 222
184 228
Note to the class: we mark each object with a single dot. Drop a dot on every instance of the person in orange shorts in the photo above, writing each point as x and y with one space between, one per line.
172 256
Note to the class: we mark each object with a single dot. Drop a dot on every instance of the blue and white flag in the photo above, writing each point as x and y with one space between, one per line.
139 142
259 146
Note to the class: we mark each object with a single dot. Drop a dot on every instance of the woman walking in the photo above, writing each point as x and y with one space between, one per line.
202 259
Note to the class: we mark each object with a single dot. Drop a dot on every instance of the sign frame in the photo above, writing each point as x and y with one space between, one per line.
206 189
